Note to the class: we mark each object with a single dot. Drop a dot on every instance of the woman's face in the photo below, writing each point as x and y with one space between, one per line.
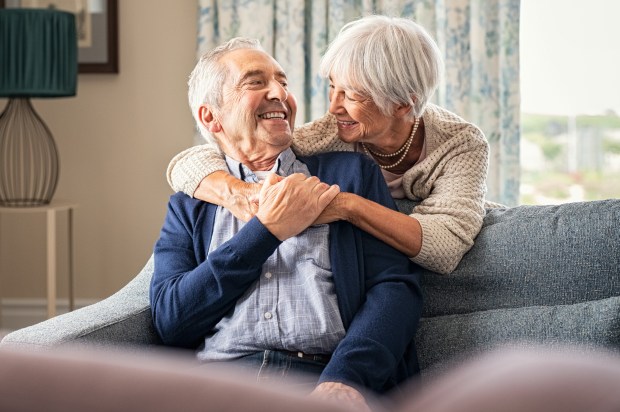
359 118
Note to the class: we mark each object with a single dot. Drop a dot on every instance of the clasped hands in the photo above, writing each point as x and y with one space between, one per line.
287 205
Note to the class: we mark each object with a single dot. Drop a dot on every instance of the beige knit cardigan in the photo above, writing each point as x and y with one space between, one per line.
449 184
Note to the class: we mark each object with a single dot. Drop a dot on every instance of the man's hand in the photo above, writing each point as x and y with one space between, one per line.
340 392
289 205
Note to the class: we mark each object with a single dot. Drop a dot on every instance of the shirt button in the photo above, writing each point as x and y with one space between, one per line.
267 315
268 275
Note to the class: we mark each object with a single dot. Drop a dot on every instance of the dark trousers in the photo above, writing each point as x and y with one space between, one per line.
281 368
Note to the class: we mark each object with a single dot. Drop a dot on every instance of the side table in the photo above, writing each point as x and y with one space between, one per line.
51 211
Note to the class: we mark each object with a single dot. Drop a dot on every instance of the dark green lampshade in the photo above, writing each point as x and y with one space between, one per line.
38 53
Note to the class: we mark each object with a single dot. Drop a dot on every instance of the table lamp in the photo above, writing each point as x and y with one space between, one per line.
38 58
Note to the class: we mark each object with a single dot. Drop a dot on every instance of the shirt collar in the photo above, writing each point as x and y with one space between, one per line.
283 167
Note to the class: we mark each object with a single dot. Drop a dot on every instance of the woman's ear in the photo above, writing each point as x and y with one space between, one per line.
402 110
208 119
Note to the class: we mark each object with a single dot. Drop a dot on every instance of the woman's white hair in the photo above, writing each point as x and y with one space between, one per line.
206 80
392 60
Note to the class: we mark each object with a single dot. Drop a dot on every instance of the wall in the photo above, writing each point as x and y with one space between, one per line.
115 139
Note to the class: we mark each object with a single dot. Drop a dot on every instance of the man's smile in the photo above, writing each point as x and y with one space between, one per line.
273 115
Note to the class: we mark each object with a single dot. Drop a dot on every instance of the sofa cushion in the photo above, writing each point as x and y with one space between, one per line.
122 319
531 256
444 340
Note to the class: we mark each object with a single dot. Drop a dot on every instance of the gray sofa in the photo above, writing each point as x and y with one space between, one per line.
537 275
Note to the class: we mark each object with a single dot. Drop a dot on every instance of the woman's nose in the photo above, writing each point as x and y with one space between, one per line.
335 103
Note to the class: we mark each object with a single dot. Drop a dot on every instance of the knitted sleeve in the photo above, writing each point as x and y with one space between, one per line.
187 169
453 177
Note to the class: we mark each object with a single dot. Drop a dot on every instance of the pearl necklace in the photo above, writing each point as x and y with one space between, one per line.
404 149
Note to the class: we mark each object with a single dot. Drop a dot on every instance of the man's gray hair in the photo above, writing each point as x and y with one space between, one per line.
206 80
392 60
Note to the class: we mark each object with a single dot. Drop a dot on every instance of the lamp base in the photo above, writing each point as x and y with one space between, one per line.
29 164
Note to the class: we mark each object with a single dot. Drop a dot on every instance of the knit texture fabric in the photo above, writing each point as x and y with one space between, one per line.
449 184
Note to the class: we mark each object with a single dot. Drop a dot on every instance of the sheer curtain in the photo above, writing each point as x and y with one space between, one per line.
479 39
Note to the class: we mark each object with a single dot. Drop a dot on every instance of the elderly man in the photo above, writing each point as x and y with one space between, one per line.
278 292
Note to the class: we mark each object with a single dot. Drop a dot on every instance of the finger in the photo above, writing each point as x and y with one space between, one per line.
296 177
270 180
320 187
326 197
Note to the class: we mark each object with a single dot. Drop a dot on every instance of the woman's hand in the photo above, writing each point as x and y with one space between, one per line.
336 210
239 197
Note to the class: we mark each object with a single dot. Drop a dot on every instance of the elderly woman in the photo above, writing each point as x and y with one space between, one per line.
382 72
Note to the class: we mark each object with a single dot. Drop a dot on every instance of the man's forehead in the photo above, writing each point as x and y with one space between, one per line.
244 61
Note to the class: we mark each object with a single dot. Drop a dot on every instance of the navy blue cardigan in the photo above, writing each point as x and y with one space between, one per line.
378 288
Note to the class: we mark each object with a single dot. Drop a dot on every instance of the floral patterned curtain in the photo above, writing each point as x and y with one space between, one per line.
479 39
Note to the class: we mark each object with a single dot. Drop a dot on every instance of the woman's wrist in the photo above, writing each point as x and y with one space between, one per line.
348 208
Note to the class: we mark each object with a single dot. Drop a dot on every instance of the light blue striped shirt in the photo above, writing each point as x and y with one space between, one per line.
293 305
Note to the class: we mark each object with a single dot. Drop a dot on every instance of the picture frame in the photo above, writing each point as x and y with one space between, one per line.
97 26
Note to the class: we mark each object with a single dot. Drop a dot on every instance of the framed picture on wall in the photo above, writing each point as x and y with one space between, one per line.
97 30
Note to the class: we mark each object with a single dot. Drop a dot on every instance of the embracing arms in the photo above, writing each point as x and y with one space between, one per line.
190 293
450 185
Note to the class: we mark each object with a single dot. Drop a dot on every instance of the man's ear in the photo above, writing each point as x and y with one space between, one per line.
208 119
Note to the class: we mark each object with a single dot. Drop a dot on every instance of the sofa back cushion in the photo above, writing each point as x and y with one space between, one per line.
536 275
530 256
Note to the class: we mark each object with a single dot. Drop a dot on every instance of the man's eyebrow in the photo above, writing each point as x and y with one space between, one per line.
253 73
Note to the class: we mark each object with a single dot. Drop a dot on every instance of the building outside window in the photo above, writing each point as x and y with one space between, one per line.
570 108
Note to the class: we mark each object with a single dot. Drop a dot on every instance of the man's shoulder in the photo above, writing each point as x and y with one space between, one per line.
180 198
182 204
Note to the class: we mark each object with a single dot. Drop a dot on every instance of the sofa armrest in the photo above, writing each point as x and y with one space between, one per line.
122 319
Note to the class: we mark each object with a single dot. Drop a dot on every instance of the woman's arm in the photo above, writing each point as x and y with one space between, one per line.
187 169
201 171
398 230
452 209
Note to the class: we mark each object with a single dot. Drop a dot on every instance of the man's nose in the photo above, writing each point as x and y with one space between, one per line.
277 92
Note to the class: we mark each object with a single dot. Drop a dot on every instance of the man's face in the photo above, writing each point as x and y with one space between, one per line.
257 114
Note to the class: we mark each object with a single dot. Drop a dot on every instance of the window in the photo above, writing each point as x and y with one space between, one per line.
570 101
